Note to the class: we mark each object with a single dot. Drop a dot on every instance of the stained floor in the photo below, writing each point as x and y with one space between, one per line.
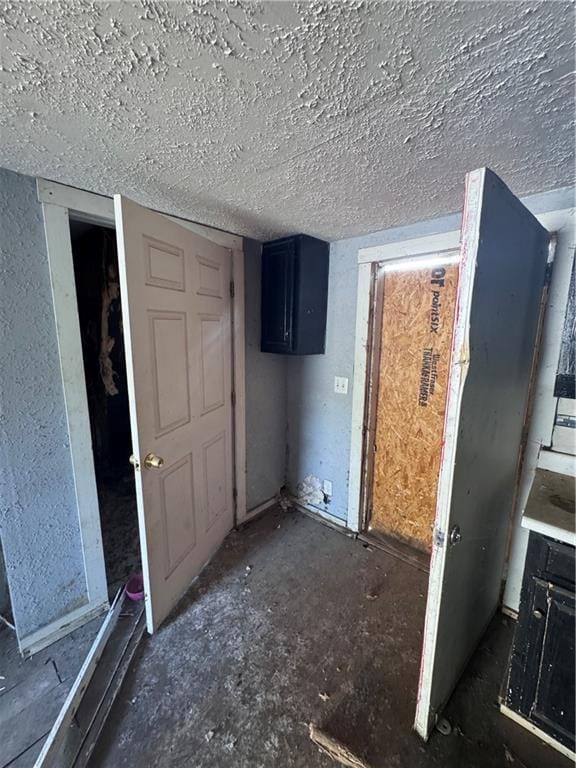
294 623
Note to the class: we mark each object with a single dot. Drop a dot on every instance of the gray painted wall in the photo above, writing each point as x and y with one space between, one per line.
38 516
319 421
5 607
265 397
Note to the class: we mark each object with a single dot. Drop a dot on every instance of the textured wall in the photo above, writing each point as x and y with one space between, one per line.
265 397
5 606
268 118
319 421
38 516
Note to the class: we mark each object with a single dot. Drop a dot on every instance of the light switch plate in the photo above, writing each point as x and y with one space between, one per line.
341 385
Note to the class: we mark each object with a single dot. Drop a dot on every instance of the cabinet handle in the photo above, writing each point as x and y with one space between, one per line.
537 614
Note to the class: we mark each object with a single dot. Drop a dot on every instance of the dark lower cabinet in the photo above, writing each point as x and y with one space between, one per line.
541 676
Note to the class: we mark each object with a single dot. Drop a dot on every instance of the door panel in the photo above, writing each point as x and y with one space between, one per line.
178 512
170 365
212 335
177 318
503 256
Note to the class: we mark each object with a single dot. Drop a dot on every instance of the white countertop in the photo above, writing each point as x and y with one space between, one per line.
548 510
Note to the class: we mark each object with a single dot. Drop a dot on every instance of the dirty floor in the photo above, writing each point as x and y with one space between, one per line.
294 623
119 521
32 691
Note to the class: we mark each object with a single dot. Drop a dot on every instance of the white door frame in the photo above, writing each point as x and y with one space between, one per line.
368 258
559 222
59 204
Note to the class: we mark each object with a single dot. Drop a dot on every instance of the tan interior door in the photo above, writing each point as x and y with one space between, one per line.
176 306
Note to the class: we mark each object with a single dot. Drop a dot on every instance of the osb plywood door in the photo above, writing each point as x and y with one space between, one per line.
415 345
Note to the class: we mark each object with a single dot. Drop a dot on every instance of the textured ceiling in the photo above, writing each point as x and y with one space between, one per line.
268 118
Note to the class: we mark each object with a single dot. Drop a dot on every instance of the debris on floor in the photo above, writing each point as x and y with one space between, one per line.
334 749
304 631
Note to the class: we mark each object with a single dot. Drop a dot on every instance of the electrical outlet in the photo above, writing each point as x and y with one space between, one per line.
340 385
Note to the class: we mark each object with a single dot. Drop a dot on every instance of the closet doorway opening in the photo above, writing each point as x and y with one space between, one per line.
97 282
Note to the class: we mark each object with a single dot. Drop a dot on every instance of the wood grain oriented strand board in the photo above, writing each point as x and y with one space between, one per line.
415 349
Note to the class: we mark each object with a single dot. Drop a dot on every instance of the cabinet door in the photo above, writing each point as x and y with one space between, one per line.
310 296
553 703
278 296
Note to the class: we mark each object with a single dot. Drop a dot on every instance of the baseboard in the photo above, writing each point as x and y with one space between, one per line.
398 549
54 631
255 512
510 612
322 517
537 732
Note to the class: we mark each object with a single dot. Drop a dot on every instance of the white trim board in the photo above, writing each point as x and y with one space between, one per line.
359 395
320 515
52 632
558 529
239 383
55 738
537 732
419 246
260 508
408 249
564 463
100 210
59 247
61 203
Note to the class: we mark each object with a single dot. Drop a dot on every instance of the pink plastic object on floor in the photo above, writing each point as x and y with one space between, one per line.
135 587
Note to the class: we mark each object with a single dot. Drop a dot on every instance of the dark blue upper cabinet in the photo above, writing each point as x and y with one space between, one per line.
294 295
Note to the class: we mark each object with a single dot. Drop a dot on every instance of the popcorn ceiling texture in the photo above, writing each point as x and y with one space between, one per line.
269 118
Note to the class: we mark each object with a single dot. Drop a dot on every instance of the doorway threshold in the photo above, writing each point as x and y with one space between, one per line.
83 715
399 549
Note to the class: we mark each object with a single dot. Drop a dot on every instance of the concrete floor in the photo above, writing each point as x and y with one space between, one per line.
294 623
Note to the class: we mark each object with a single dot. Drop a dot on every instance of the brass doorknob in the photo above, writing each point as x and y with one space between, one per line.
151 461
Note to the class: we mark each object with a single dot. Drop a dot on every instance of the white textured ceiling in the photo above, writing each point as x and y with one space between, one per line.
333 119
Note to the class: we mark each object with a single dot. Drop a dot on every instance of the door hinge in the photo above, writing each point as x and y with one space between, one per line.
234 493
233 398
232 289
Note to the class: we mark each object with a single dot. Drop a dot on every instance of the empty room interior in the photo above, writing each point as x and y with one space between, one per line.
287 384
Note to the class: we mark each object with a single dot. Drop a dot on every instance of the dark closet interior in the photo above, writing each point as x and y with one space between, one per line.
100 313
